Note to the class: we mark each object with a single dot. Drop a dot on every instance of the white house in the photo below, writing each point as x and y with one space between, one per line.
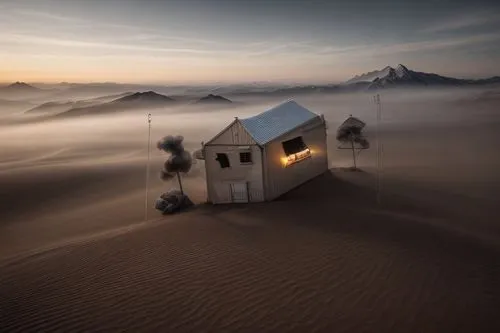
262 157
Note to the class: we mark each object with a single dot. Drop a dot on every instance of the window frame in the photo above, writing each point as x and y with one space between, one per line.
217 155
248 153
298 156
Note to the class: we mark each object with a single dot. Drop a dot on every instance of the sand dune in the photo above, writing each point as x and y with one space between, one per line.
276 267
77 255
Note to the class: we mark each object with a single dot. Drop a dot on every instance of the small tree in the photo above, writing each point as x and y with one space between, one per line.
179 161
350 136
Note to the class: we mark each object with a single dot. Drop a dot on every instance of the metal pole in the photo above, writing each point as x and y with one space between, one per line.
147 169
379 151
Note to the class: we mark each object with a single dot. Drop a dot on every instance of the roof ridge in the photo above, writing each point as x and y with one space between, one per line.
275 107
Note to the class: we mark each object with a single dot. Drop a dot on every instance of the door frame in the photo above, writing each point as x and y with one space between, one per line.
232 192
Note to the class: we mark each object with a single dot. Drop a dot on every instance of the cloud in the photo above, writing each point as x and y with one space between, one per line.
337 50
72 21
440 44
462 22
117 31
151 44
410 47
47 16
48 41
69 19
260 49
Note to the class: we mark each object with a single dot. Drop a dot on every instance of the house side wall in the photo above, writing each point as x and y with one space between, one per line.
280 179
219 179
233 135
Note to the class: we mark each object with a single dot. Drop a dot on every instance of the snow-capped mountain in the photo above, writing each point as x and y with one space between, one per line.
401 76
370 76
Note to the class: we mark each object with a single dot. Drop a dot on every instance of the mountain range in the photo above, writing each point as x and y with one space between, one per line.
128 101
138 100
385 78
61 106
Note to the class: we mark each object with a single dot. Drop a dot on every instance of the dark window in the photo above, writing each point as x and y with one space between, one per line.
246 157
294 146
223 160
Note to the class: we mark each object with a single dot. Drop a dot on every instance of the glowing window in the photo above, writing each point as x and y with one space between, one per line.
295 151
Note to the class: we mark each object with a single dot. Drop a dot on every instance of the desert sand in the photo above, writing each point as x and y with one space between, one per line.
77 254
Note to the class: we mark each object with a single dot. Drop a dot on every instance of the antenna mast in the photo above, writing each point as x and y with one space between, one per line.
376 99
147 169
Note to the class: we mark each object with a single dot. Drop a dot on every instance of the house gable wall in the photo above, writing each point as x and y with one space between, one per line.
219 179
234 134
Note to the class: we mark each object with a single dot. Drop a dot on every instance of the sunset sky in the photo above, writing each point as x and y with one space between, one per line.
188 41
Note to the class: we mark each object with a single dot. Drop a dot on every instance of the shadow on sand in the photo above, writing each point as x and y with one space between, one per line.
333 204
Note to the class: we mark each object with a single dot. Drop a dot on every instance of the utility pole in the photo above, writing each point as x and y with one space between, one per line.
147 169
376 99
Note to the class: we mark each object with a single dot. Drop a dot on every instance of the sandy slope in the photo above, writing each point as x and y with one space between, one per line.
287 266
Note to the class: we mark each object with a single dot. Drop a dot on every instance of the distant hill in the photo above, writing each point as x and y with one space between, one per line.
19 86
19 90
62 106
213 99
139 100
51 107
109 98
145 97
490 80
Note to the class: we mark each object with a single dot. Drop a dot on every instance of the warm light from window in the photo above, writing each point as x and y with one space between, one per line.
297 157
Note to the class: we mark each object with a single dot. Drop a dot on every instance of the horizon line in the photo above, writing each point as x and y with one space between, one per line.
226 82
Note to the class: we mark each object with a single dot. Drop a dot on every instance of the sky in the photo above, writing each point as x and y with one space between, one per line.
190 41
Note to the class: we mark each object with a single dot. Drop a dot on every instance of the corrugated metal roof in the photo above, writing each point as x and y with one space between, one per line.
277 121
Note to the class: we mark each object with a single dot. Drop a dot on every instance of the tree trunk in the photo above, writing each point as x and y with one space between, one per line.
180 183
353 153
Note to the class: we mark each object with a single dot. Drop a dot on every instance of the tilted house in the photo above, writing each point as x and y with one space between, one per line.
262 157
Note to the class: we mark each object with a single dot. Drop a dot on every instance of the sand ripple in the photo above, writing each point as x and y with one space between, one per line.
207 272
